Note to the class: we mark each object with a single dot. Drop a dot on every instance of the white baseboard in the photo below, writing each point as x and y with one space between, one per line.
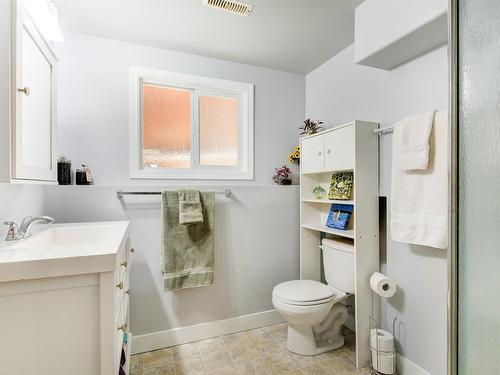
183 335
407 367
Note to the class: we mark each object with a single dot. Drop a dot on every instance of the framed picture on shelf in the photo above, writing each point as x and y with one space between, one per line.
339 216
341 186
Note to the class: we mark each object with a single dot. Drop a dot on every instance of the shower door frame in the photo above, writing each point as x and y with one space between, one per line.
453 188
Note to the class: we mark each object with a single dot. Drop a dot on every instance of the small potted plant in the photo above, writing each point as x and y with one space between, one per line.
319 192
310 127
283 175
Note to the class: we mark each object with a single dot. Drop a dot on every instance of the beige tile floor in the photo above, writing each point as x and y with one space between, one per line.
260 351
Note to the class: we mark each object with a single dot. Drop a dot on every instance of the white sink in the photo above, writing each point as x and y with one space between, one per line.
86 243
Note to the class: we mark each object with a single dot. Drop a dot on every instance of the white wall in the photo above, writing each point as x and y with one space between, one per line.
93 105
19 201
340 91
256 230
256 248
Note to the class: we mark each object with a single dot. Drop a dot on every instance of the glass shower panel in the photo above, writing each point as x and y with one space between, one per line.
479 187
218 131
166 120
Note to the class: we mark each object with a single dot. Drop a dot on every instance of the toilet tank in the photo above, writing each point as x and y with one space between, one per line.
338 263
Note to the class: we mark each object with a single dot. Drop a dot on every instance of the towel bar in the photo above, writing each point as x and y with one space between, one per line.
383 131
120 193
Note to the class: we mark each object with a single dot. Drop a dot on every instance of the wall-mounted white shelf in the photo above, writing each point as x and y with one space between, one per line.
391 33
350 147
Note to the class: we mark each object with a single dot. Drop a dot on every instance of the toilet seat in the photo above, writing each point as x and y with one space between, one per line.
308 303
307 293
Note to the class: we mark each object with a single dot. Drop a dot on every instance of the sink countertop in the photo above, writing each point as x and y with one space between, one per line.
63 249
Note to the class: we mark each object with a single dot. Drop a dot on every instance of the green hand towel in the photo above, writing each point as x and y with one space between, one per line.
190 211
187 250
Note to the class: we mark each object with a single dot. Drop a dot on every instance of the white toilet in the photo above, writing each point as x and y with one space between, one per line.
316 312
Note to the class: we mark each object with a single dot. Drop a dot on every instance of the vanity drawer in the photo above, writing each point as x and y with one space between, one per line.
119 293
123 311
121 263
124 260
120 334
121 327
122 286
130 249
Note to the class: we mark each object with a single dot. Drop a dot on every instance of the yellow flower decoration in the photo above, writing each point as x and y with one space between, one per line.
295 155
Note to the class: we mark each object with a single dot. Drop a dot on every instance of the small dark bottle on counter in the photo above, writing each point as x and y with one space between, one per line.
64 171
83 176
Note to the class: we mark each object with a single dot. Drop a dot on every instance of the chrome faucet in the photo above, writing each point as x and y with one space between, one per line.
24 231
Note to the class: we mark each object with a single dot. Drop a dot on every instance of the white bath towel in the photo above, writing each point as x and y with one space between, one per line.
419 198
412 136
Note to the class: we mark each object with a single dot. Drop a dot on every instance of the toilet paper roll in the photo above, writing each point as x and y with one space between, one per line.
381 340
382 285
384 363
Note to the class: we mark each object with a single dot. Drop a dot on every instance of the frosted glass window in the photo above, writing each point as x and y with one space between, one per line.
190 127
166 127
218 131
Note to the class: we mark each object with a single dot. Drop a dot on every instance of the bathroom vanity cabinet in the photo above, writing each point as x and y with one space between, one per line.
64 300
27 128
350 147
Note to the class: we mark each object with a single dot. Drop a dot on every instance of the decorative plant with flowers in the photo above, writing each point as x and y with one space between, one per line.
311 127
283 175
295 155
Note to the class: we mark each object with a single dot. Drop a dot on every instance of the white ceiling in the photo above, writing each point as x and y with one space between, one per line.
290 35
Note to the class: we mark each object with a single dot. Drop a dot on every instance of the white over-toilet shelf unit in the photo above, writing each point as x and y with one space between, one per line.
349 147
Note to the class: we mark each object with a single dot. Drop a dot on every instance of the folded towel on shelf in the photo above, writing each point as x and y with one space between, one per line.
190 210
188 251
419 198
412 138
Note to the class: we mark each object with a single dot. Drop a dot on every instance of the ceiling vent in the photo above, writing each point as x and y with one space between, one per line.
231 6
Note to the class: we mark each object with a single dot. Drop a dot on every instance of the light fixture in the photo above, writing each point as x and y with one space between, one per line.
45 16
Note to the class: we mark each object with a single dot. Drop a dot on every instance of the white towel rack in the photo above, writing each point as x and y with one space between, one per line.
120 193
383 131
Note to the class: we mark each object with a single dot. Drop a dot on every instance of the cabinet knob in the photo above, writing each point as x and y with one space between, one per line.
319 153
25 90
124 264
123 327
128 292
328 151
132 250
120 285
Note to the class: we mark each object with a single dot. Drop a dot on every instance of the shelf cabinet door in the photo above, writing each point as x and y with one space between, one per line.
312 154
339 149
34 98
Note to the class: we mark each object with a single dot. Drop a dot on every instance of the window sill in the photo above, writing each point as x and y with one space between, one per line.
189 174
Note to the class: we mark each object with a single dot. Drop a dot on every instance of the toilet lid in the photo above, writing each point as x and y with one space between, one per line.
298 291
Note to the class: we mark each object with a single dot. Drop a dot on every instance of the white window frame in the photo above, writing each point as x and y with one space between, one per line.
200 86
